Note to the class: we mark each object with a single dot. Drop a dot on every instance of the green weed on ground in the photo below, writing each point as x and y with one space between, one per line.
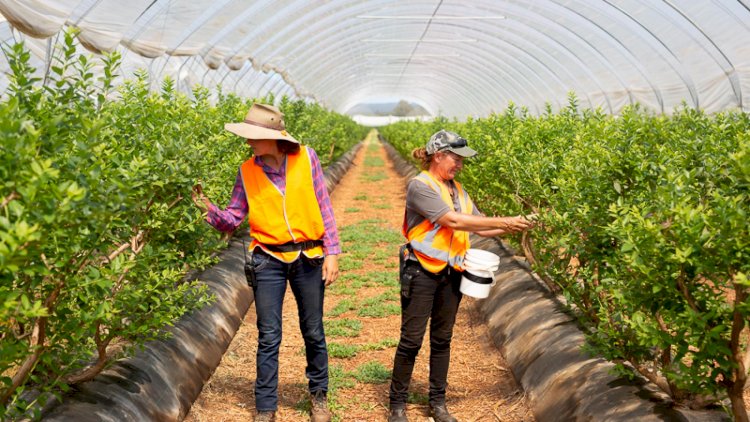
375 177
383 344
342 351
346 351
379 310
418 398
372 373
373 161
340 288
342 306
348 264
342 327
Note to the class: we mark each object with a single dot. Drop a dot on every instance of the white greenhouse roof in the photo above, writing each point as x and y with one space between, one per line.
456 58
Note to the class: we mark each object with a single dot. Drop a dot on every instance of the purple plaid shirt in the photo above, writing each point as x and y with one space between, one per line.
229 219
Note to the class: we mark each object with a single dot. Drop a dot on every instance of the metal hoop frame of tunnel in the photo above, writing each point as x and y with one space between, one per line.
455 58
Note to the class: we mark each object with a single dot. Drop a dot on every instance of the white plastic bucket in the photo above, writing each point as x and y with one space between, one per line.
477 283
478 277
481 258
473 265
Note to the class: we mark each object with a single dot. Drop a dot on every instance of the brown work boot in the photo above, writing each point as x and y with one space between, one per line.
440 414
265 416
397 414
319 411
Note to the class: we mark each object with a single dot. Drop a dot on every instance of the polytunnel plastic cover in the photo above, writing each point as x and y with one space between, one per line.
455 58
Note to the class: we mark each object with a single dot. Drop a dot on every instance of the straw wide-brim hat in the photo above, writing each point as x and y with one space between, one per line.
262 121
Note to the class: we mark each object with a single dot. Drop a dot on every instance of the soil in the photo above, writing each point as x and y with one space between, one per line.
481 387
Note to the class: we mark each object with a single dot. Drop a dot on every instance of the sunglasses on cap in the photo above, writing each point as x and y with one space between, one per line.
458 143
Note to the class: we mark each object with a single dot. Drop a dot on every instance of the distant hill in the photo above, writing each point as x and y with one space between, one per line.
401 108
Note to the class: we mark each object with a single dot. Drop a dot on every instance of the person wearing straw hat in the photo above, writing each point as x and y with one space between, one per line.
293 237
438 219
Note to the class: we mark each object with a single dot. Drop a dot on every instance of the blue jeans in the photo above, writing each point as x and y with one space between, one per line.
305 278
433 297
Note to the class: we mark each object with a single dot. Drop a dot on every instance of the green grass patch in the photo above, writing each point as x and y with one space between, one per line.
385 278
369 233
374 278
338 378
357 281
351 278
373 221
368 241
418 398
342 289
361 197
392 296
372 373
345 327
373 161
375 177
381 345
344 305
381 298
384 254
346 351
342 351
351 210
358 251
382 206
378 310
349 263
362 281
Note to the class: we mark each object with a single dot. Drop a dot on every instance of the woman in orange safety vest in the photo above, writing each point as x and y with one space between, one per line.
293 237
438 219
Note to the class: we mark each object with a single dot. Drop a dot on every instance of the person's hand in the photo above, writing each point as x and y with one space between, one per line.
199 199
519 223
330 269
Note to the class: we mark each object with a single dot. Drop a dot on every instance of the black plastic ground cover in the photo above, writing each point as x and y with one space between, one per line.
542 344
161 382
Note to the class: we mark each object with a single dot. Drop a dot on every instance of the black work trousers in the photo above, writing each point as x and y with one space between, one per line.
433 297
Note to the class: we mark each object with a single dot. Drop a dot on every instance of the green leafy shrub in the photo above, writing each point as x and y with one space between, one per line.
97 229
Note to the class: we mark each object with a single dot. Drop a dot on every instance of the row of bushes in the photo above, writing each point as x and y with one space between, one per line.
97 229
643 229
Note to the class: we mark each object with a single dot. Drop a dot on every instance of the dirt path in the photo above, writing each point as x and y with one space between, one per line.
362 327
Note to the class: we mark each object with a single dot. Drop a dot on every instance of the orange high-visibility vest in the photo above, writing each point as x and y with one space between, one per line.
436 246
277 218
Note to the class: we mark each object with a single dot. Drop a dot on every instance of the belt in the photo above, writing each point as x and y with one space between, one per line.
447 271
292 246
